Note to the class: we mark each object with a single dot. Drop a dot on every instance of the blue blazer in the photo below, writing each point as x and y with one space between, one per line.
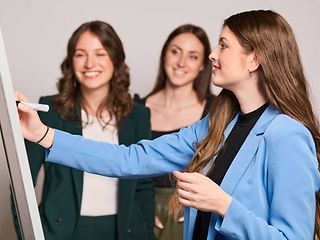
273 179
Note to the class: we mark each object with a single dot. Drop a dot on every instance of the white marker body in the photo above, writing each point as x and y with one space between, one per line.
37 106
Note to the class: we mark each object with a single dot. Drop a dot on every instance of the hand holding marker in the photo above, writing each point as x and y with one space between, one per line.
35 106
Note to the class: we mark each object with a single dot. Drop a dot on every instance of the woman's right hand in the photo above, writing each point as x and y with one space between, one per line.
32 127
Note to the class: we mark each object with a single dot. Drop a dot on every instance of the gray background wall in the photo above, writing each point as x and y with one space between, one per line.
36 33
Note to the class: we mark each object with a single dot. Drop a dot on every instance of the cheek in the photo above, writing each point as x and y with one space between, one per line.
169 59
107 64
196 66
77 64
167 66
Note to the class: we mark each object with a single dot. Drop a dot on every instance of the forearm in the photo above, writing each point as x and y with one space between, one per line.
146 158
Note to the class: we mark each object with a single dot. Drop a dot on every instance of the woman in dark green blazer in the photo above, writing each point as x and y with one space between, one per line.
93 87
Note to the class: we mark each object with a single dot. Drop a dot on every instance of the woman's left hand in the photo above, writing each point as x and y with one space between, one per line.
198 191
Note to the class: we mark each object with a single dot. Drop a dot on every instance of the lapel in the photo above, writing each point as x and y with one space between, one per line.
247 150
126 134
238 166
74 127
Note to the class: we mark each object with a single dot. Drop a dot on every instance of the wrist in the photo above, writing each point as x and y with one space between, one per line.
47 138
224 205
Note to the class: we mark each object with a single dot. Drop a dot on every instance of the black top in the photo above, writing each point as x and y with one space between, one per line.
223 161
165 181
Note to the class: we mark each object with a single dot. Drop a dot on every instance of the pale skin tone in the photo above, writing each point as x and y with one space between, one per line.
231 67
93 69
177 105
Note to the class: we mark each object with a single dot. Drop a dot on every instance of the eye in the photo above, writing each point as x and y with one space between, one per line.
101 54
174 51
78 55
194 57
223 45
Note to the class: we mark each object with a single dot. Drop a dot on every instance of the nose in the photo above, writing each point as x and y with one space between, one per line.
182 61
213 55
90 61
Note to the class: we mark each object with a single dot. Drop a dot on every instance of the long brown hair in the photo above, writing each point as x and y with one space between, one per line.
201 84
69 98
282 79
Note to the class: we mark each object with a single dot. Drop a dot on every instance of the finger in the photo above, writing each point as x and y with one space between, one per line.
25 108
185 185
158 223
181 219
183 176
185 202
20 97
184 194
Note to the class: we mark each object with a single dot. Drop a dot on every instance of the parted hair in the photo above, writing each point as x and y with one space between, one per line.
118 102
201 84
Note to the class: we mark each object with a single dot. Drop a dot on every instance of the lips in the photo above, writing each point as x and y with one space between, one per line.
215 68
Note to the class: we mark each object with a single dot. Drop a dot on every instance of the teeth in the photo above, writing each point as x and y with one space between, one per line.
179 72
91 74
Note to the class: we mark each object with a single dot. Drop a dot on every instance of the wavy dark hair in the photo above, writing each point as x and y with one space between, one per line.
69 98
282 79
201 84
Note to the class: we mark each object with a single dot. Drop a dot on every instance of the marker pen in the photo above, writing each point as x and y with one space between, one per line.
35 106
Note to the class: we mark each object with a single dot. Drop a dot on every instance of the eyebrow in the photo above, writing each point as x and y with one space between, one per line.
83 50
174 45
223 39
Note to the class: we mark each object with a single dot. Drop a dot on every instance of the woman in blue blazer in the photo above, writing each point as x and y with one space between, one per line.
250 166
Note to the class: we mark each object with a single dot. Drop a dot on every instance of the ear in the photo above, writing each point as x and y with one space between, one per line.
254 62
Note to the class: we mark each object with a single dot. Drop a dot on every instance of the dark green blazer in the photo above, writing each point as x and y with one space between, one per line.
62 191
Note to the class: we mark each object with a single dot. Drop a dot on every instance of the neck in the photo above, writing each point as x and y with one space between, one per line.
250 98
92 100
179 96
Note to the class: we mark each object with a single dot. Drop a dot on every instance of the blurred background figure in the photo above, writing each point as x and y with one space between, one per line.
180 97
93 101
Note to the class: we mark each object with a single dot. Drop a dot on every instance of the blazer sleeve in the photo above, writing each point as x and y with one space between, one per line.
292 182
146 158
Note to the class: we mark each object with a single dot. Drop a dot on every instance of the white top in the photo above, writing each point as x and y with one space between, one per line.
99 193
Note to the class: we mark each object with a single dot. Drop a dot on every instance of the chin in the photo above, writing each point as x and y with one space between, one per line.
216 82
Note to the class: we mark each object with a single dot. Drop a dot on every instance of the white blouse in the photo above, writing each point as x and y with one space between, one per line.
99 193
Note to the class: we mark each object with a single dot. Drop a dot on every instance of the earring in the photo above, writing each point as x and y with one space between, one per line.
75 83
250 73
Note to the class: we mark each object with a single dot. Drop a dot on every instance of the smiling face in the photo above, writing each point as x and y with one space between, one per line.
92 65
183 59
230 62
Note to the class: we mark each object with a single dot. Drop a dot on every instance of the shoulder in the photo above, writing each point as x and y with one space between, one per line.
139 119
284 126
138 99
47 99
139 111
289 139
139 114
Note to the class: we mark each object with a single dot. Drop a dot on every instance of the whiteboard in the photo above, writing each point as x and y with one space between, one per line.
12 150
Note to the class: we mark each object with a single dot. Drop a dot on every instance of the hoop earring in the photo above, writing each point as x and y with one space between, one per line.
250 73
